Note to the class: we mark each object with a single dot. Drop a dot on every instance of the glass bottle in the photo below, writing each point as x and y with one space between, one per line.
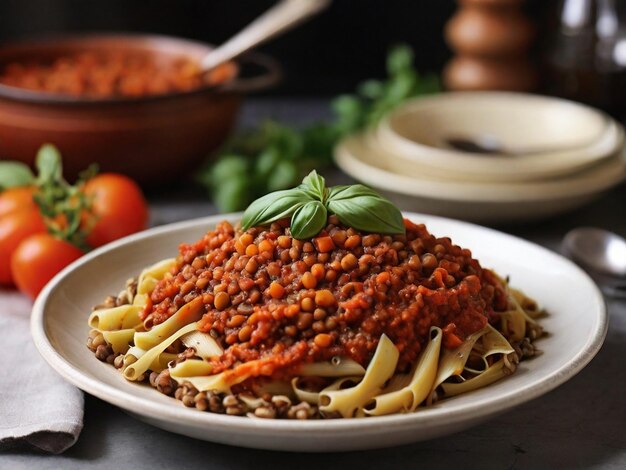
586 54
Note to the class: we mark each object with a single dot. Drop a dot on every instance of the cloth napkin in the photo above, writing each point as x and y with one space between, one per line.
38 409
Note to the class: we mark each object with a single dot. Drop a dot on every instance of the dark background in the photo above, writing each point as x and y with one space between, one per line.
327 55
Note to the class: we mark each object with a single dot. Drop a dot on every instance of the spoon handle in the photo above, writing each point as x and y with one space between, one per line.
281 17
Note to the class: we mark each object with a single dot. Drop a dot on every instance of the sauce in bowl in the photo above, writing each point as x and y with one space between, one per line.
114 74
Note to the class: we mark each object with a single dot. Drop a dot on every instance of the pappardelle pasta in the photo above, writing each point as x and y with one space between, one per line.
345 324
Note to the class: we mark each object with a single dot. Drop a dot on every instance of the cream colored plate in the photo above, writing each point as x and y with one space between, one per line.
578 136
474 201
577 322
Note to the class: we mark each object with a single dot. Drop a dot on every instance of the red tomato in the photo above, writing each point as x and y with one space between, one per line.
14 199
118 206
15 227
37 259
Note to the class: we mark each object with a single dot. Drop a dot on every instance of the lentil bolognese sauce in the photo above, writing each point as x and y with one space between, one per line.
259 320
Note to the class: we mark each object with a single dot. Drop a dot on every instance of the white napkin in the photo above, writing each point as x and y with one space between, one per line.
38 409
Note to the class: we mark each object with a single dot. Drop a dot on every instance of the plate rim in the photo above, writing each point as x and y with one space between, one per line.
182 415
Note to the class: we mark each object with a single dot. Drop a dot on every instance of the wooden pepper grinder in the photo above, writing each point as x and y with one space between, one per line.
491 39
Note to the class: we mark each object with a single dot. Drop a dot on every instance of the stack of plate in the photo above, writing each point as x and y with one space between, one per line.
555 156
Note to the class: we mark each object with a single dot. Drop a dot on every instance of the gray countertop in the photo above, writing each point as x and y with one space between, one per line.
581 424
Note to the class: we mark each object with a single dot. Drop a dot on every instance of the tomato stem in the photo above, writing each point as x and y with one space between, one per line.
66 210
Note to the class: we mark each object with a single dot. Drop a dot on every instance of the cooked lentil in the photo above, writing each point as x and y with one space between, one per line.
353 288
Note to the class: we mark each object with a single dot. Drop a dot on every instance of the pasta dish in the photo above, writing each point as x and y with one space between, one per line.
274 319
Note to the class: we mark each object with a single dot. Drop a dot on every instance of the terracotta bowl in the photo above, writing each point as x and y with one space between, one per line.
154 139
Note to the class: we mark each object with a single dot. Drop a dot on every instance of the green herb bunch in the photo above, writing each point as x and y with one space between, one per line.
375 98
270 158
309 204
275 156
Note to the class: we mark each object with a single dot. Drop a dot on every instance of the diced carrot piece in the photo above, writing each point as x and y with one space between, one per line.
324 244
192 311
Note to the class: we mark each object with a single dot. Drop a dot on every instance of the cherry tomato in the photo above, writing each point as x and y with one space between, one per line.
37 259
15 227
118 206
14 199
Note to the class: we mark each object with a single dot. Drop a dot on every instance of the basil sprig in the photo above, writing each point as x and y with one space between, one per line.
309 204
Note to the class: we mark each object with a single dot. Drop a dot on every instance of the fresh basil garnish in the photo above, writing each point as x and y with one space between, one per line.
308 220
316 185
309 204
363 208
274 206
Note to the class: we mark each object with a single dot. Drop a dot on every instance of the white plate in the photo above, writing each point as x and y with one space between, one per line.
577 324
491 168
574 136
474 201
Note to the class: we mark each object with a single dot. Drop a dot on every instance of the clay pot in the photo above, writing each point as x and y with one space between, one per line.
154 139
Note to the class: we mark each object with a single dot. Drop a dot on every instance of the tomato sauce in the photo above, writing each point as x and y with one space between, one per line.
114 74
275 303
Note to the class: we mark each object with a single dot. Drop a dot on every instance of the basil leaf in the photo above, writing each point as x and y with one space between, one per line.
372 89
48 163
284 175
315 184
227 167
350 112
266 162
338 193
308 220
400 58
14 174
287 141
364 209
274 206
400 87
230 194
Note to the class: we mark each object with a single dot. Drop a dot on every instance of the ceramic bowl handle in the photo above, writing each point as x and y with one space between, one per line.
270 75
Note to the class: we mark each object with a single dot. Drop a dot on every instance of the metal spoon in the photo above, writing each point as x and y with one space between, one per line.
602 254
278 19
490 145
